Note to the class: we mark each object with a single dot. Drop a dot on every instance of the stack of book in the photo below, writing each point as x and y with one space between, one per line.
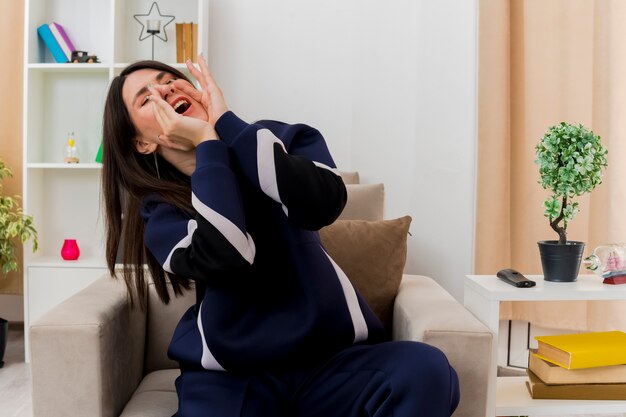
585 366
56 40
186 42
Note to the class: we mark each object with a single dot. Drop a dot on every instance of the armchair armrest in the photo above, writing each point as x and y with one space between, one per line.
87 353
425 312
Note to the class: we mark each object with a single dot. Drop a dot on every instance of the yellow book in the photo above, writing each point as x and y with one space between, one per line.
583 350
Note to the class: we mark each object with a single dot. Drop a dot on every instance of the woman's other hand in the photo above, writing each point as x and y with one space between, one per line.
179 132
211 96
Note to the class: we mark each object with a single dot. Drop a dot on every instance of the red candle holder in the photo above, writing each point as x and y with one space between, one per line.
70 250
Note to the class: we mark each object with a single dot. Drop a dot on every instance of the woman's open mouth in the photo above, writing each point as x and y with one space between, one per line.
181 106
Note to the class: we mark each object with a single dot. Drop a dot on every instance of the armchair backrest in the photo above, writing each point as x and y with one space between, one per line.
161 321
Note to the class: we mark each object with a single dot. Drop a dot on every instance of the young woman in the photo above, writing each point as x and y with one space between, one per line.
277 328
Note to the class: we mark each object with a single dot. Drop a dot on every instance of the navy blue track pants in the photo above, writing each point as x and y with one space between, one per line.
400 379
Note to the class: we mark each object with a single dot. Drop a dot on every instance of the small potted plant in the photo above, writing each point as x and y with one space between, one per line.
571 159
14 227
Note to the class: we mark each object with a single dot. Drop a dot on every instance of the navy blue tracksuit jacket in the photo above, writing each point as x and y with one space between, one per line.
272 309
268 293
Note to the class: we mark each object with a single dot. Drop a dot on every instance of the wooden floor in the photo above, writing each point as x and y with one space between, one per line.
15 381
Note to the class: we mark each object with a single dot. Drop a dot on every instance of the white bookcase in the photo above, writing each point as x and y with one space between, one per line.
65 199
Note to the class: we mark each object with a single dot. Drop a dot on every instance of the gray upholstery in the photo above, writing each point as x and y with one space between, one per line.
87 354
425 312
350 177
160 324
365 202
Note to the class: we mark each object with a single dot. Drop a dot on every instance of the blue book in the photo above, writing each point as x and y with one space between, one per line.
48 38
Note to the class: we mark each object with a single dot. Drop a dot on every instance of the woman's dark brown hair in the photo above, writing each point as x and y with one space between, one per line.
127 177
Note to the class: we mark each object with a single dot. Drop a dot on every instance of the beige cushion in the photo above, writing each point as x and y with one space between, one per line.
365 202
351 177
155 396
372 254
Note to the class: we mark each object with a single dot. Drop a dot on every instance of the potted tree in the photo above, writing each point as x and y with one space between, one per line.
14 227
571 159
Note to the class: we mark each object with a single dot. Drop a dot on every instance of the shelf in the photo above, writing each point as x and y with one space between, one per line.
55 165
588 287
128 47
49 67
57 262
65 200
513 399
87 24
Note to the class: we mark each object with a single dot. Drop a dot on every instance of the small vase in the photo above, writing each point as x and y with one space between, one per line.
70 250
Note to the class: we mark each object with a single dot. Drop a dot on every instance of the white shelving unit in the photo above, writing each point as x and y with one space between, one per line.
65 199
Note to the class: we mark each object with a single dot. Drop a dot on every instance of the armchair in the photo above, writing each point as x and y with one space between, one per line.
93 355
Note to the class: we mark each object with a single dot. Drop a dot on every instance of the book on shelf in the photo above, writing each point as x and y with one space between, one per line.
180 46
615 279
551 374
51 43
194 42
62 39
186 42
583 350
540 390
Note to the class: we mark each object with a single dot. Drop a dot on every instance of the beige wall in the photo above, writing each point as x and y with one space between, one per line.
11 50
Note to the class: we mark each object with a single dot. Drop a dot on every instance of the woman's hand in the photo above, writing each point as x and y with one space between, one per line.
179 132
211 96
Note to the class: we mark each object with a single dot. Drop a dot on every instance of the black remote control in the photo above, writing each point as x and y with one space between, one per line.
512 277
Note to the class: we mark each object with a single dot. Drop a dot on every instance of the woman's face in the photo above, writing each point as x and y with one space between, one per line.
135 93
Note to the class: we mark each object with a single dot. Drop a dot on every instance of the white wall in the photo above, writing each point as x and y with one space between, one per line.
390 84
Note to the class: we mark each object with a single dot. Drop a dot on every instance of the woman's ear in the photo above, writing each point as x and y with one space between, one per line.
144 147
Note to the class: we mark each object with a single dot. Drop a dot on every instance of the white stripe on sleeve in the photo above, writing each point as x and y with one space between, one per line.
358 320
192 225
333 170
208 361
265 163
240 241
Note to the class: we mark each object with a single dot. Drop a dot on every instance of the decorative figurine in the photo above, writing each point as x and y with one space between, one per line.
608 261
79 57
151 24
71 152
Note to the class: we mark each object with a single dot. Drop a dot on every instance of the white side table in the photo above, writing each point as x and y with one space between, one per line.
508 396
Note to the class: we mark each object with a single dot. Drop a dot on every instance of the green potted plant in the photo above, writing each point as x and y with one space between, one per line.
15 228
571 159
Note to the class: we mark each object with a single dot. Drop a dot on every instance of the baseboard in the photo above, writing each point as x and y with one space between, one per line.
16 325
12 307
